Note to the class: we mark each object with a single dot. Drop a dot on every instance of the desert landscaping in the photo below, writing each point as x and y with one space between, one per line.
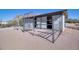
11 39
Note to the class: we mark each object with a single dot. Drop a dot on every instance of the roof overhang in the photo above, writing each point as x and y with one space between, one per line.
64 12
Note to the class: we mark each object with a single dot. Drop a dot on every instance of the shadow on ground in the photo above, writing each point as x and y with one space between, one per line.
46 36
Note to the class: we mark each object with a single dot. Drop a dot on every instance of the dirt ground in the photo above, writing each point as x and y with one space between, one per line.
11 39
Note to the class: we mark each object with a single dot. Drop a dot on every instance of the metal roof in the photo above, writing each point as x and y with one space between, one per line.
49 14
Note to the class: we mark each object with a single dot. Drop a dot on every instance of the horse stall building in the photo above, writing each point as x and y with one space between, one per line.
48 26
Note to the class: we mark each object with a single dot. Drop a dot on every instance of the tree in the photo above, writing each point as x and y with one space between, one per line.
12 23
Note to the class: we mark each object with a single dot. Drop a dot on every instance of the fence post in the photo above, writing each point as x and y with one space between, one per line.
52 30
63 22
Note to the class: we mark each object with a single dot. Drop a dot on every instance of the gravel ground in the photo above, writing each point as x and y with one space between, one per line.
11 39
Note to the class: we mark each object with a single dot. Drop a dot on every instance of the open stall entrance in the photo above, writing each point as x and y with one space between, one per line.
49 22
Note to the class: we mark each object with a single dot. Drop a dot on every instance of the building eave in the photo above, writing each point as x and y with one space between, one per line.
64 12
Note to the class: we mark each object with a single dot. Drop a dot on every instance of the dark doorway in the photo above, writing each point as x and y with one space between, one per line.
49 22
35 22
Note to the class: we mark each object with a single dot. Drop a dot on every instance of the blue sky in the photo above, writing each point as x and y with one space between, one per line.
8 14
